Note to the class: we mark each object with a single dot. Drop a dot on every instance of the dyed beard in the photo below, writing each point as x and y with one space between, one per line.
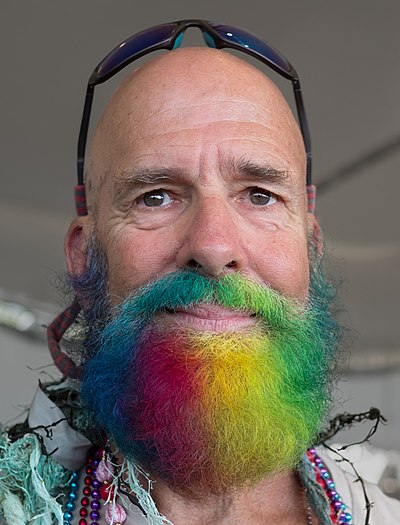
208 412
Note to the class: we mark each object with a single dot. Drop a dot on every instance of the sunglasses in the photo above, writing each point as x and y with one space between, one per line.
170 36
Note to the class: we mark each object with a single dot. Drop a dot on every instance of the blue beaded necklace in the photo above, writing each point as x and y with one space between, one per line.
72 495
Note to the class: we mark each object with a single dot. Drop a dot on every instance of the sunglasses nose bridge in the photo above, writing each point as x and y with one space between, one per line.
207 36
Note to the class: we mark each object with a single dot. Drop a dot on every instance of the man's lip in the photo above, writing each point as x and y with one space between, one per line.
211 318
211 311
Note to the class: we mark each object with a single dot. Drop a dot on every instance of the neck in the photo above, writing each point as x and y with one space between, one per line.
279 499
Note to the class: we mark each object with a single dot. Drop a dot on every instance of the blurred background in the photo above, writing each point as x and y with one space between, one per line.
347 56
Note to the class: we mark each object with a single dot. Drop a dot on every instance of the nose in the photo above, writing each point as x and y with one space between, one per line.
212 243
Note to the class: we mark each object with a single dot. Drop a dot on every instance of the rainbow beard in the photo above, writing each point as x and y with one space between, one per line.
211 412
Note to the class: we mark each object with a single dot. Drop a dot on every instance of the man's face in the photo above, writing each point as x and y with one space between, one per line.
204 177
198 165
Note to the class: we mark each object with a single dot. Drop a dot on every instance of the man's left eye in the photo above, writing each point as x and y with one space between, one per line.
156 198
261 197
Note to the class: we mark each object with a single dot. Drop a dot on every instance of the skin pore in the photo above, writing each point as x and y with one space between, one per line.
197 162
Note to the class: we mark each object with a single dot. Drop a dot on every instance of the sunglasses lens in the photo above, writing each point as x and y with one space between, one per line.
245 39
133 47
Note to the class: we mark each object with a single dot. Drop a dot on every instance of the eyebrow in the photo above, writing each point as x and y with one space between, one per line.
242 168
133 180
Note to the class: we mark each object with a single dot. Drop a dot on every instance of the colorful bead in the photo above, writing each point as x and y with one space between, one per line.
107 491
95 505
95 515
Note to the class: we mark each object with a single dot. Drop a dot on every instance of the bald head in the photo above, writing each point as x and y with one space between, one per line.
207 85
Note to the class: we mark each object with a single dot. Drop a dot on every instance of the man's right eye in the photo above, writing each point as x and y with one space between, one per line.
155 198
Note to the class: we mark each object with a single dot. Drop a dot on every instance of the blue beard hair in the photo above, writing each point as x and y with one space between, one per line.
91 290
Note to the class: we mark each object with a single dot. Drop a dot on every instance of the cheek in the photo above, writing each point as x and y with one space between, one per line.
136 259
284 266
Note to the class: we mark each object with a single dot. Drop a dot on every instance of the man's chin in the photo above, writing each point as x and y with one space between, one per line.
205 414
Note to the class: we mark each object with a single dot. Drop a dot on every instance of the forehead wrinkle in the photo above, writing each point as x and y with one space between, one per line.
249 136
174 110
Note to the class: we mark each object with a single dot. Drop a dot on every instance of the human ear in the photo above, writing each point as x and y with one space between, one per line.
315 234
75 246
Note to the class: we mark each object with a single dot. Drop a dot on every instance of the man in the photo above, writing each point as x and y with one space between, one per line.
206 358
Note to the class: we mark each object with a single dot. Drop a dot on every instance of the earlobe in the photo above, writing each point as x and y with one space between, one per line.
315 234
75 246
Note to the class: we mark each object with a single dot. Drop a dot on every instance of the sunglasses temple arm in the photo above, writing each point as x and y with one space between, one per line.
303 125
84 132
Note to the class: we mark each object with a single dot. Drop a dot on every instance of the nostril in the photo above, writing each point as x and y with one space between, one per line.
193 264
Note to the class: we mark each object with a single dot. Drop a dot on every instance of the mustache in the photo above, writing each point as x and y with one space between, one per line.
180 290
183 289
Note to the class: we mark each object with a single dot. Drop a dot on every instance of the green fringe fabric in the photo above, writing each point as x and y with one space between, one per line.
32 485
